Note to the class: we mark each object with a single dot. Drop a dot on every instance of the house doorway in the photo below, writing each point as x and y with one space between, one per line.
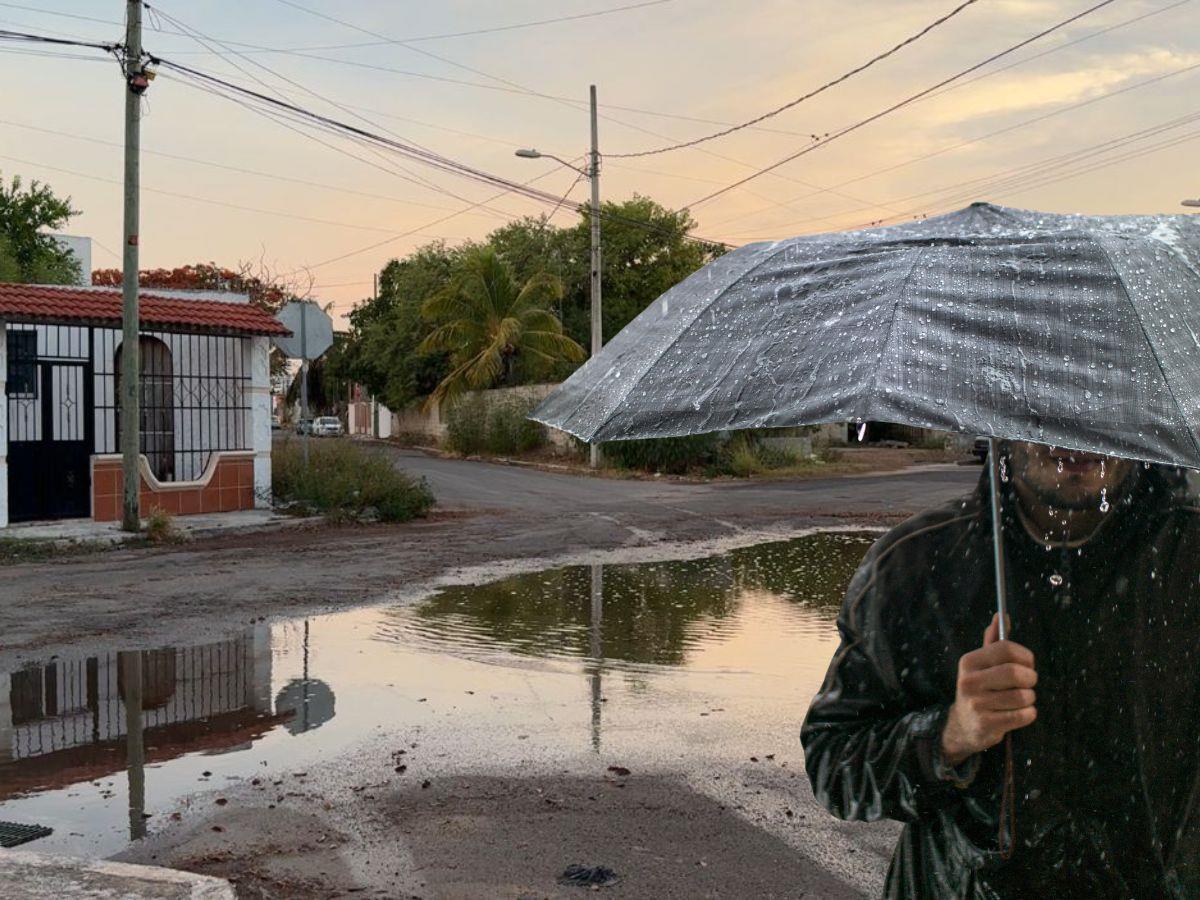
50 422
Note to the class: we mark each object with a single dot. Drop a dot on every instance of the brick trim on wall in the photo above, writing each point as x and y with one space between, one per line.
229 486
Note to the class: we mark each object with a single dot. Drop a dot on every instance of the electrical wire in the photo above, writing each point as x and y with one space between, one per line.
7 35
895 106
257 173
792 104
1024 123
207 200
1058 49
558 205
516 26
502 81
1043 171
204 40
427 157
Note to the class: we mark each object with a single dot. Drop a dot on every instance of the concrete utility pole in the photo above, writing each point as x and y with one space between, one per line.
304 429
592 173
135 86
597 321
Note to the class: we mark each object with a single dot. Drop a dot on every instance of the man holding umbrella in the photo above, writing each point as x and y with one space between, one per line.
1098 689
1062 762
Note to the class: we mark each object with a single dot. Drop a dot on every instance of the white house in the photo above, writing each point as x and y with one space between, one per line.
205 402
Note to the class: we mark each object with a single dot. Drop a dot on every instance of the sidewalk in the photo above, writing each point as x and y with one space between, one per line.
34 876
207 525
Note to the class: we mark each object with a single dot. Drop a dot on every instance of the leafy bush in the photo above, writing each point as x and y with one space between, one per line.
474 424
346 482
672 456
466 425
511 431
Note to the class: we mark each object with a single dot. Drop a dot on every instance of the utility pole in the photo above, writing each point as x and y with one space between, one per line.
304 429
597 321
135 86
592 173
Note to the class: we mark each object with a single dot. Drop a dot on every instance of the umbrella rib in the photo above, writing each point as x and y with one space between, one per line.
918 254
1149 343
679 336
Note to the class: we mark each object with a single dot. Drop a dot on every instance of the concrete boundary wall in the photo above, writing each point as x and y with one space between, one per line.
431 424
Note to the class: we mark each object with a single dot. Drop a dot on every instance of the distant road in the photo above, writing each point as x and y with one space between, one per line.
462 484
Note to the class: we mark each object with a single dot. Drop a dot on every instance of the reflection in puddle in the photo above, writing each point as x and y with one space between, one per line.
550 664
660 614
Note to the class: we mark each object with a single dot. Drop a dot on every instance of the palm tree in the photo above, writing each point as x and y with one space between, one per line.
494 328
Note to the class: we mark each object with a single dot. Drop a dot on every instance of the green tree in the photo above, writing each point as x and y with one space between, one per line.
386 331
495 329
646 252
27 253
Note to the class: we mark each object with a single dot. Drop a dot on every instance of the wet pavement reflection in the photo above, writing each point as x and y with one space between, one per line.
700 660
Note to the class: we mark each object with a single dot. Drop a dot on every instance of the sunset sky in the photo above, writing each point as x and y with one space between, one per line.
224 183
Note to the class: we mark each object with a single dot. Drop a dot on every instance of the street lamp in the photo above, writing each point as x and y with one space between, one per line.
592 173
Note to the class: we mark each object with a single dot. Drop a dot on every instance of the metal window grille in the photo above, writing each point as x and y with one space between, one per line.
31 345
195 398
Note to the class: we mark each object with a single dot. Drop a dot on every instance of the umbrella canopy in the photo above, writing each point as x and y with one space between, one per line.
1077 331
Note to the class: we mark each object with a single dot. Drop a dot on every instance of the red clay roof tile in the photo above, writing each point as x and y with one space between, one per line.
51 303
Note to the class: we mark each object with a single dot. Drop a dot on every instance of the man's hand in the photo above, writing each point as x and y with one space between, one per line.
994 696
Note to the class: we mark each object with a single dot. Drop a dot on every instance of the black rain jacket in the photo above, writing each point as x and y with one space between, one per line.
1107 777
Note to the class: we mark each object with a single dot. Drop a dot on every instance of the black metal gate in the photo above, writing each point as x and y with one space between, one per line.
50 422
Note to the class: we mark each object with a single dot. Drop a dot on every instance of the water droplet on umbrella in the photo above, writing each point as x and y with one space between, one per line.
1104 504
1060 466
1056 580
862 430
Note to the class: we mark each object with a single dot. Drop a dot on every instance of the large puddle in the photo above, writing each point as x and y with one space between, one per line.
667 664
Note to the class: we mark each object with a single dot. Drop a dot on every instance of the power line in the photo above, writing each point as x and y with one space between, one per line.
257 173
406 149
207 200
51 54
6 35
202 39
791 104
1043 171
1024 123
1044 53
494 29
896 106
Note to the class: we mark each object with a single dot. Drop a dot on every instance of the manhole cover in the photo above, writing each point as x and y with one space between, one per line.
12 833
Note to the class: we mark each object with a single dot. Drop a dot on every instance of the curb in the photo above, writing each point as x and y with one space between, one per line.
37 876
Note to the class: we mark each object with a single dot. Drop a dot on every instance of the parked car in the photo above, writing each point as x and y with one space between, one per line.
276 423
304 426
327 426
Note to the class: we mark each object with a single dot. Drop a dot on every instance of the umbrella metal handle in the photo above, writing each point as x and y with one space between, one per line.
998 536
1007 820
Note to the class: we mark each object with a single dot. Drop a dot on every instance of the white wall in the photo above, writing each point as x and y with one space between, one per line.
81 249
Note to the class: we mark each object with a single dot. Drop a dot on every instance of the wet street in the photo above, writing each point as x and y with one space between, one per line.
490 519
474 743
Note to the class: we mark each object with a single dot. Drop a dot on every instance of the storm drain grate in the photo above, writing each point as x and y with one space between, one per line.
13 833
